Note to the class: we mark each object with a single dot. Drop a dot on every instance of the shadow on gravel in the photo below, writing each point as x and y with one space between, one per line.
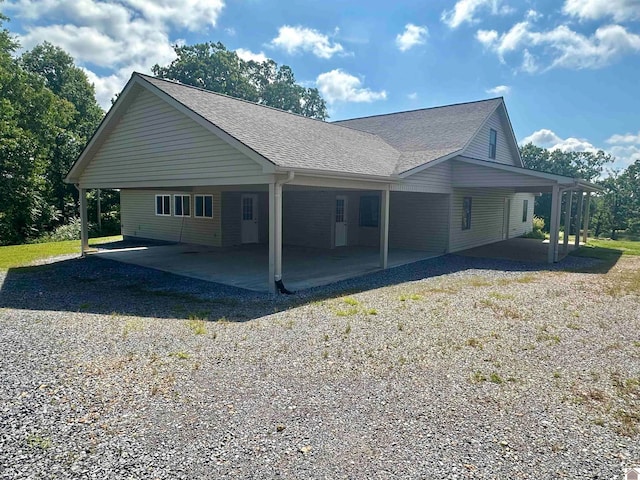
102 286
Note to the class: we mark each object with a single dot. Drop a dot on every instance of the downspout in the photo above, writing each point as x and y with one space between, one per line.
278 231
84 221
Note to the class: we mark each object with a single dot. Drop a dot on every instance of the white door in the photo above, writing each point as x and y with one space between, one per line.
341 221
505 220
249 218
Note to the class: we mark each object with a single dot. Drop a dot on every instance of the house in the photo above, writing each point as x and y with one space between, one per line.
203 168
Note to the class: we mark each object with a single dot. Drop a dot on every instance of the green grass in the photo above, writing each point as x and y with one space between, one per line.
608 249
14 256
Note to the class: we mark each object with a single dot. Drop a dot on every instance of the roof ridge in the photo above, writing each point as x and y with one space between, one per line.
204 90
418 109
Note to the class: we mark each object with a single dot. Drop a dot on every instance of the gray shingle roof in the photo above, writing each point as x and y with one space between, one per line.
285 139
381 145
427 134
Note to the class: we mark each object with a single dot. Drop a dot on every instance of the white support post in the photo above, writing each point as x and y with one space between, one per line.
99 210
277 274
567 221
384 228
553 224
585 234
578 218
84 223
272 237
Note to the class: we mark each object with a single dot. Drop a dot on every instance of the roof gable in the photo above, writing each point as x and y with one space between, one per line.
427 134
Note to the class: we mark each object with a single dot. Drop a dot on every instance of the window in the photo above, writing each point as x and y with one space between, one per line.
369 210
466 213
163 205
525 210
493 143
203 206
182 205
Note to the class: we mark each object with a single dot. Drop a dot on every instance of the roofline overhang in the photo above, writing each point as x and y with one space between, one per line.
334 174
430 164
567 183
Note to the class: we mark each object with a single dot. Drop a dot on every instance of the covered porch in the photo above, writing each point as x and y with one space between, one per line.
469 172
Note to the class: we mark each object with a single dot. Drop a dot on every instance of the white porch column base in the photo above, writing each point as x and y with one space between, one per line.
585 233
554 224
384 228
578 218
84 222
567 220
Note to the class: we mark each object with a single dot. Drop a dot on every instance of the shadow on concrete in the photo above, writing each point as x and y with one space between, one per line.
101 286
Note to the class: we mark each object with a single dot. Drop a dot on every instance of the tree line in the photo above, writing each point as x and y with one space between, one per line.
616 209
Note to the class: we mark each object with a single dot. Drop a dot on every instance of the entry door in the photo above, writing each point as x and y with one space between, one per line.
341 221
505 221
249 218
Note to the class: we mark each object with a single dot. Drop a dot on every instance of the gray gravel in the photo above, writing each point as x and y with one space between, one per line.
450 368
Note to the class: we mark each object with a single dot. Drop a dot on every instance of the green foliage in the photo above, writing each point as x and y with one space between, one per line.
47 111
538 229
586 165
212 67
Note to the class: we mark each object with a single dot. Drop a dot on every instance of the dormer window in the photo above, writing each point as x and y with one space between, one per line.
493 142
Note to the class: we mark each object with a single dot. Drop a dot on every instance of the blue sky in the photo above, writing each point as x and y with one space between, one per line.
568 69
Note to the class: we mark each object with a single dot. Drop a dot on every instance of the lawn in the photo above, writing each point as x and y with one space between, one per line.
21 255
606 249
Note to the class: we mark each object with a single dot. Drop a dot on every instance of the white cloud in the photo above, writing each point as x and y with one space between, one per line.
499 90
301 39
533 15
624 138
625 155
561 46
339 86
112 37
248 55
412 96
548 139
619 10
465 11
413 35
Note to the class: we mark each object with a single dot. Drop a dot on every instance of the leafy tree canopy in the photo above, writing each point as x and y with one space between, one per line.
212 67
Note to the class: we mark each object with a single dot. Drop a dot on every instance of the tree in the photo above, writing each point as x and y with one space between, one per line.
585 165
60 75
212 67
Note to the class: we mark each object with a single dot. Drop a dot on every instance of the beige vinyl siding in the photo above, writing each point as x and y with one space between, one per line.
139 219
479 146
419 221
436 179
487 217
307 217
516 226
468 175
154 142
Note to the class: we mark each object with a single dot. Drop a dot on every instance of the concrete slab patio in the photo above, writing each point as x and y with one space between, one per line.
247 266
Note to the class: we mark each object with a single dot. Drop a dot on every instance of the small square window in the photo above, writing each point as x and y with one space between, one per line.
466 213
525 210
203 206
369 211
182 205
163 205
493 143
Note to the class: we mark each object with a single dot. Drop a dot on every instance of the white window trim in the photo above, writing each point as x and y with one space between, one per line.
155 207
181 195
203 216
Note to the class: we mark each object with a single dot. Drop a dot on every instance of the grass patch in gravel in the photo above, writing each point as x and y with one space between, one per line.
14 256
197 325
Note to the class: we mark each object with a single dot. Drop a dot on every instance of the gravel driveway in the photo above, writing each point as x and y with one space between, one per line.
450 368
